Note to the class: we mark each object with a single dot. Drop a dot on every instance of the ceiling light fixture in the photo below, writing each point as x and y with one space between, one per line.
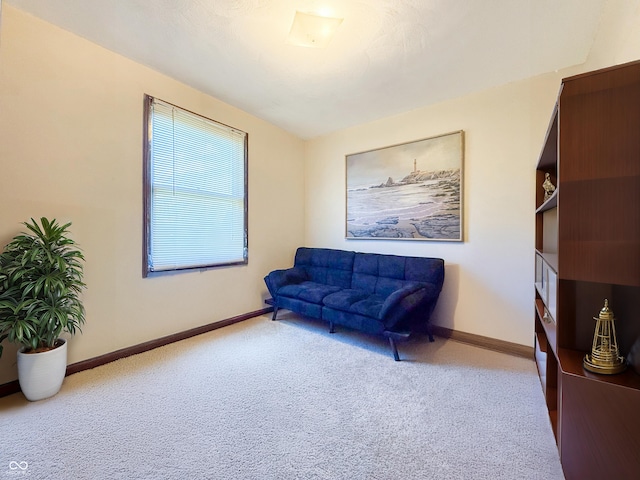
310 30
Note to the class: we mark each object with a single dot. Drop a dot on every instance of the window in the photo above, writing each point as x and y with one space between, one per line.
195 191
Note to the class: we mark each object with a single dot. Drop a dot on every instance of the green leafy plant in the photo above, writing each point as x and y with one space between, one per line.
41 276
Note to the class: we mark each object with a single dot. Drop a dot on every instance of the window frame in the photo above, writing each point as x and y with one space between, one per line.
147 194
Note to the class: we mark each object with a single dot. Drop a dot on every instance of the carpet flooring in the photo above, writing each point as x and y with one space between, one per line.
287 400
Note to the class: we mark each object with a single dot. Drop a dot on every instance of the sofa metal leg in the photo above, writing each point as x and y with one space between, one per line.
331 328
275 312
430 333
396 357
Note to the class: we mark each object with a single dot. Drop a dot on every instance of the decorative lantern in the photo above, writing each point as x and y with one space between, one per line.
605 357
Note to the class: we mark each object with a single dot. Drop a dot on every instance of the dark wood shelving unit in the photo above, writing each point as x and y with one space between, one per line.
587 249
551 202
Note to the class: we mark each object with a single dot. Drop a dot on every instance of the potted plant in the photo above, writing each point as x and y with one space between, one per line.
40 285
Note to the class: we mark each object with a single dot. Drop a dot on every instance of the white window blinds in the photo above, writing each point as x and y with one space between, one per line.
196 199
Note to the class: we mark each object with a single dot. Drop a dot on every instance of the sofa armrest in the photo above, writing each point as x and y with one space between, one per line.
403 303
279 278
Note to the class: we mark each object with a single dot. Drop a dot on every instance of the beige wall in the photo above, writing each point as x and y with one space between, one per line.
71 118
489 278
618 38
488 286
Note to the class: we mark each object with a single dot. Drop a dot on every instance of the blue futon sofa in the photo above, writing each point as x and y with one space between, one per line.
386 295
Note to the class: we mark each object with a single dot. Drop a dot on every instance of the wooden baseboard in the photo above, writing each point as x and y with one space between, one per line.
9 388
14 387
484 342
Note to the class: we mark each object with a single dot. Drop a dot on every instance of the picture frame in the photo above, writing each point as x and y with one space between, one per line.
407 191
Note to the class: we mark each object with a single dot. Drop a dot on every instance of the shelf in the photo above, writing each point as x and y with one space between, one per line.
549 327
546 283
540 355
550 259
571 364
539 288
549 155
551 202
541 345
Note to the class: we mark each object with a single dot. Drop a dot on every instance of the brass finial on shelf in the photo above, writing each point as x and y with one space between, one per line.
604 357
548 187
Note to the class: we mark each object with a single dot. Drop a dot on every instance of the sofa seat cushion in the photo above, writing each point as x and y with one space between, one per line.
355 301
308 291
307 309
369 307
344 299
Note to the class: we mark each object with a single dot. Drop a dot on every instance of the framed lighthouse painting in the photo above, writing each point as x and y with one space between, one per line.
410 191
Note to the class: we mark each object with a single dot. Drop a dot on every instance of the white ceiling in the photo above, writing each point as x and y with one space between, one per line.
387 57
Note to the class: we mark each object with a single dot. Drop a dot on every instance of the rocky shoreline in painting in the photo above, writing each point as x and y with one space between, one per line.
419 177
423 205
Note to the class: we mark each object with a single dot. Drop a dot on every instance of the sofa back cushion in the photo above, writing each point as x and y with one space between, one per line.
383 274
326 266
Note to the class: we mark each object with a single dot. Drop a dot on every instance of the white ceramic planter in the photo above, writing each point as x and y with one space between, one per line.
41 374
